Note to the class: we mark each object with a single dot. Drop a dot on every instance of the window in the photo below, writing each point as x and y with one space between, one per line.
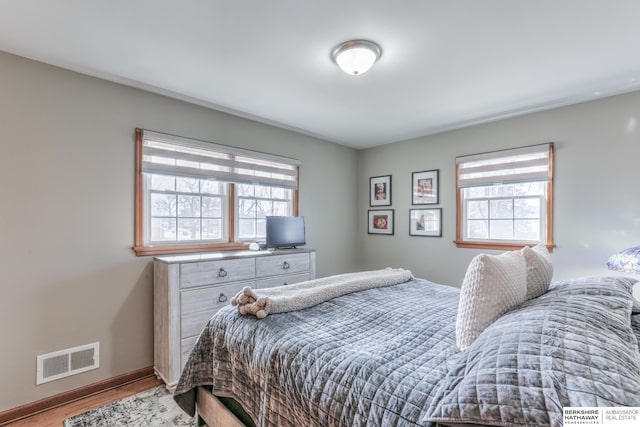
184 209
505 198
255 202
194 196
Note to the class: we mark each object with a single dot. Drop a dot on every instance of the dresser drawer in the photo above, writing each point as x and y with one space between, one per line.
282 280
211 297
282 264
213 272
198 305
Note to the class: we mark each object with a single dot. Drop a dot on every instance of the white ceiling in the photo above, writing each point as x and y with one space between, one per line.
445 64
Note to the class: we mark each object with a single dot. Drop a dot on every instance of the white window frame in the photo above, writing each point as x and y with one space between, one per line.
238 219
466 179
148 213
541 218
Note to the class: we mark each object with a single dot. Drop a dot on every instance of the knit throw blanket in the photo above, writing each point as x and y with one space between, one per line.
281 299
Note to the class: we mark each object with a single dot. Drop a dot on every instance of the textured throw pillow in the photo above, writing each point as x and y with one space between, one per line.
539 270
493 285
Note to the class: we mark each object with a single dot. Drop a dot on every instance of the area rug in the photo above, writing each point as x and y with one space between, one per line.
151 408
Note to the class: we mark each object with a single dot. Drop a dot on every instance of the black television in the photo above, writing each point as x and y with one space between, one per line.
285 231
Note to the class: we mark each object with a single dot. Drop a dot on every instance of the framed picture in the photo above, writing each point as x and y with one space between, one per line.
380 190
381 221
425 222
425 187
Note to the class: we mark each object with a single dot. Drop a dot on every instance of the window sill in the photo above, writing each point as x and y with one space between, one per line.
497 246
185 249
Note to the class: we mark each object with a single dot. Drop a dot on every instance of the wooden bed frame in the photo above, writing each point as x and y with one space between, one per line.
212 412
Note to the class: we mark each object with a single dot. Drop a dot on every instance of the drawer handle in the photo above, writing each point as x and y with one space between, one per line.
222 297
222 272
286 265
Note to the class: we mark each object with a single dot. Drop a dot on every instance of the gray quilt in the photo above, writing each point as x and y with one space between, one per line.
571 347
387 357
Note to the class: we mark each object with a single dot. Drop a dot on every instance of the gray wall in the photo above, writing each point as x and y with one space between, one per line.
597 203
68 275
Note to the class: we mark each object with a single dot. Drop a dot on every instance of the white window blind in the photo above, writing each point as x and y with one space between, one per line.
177 156
526 164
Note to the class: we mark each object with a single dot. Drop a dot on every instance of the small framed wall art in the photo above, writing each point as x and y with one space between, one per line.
380 190
381 221
425 187
425 222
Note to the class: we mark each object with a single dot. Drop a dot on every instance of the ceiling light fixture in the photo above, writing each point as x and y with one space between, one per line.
356 57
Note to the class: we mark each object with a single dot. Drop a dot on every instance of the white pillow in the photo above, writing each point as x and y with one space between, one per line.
539 270
493 285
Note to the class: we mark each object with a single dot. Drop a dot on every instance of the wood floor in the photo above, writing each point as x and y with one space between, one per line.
55 417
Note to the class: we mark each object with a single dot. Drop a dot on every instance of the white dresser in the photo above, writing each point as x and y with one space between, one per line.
189 289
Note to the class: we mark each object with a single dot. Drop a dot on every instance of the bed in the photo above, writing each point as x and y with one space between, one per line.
388 357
